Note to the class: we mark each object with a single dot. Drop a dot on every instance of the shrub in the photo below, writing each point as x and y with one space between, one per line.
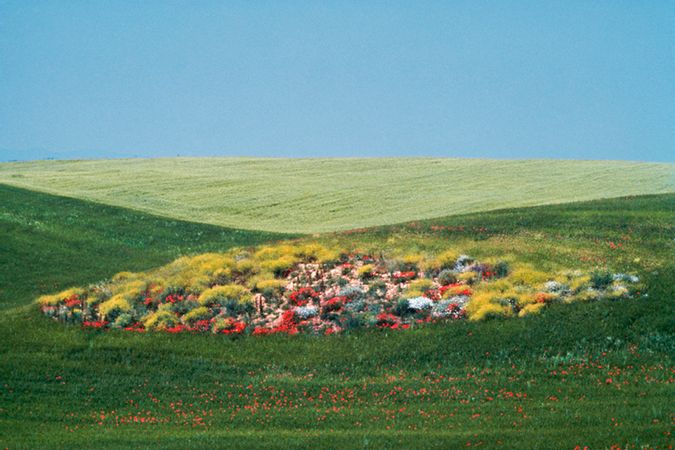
469 276
235 308
199 313
601 279
220 294
402 308
305 312
109 310
446 260
501 269
420 303
526 275
377 289
351 292
446 277
366 272
123 320
533 308
280 265
53 300
160 320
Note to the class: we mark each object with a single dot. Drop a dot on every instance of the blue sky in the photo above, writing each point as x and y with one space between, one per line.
502 79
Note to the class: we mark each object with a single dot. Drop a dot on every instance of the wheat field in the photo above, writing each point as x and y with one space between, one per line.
319 195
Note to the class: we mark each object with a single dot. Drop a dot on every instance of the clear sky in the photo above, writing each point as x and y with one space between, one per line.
504 79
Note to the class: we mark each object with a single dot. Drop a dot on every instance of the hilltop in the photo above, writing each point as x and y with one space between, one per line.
319 195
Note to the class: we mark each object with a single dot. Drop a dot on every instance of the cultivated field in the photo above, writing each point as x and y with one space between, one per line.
588 373
315 195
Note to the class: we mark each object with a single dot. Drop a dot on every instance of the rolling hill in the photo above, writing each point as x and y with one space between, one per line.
596 374
318 195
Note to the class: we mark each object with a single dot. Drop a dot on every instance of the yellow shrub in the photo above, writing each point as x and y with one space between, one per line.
486 304
529 276
130 288
586 295
116 304
208 263
418 287
533 308
280 264
123 276
469 276
365 270
53 300
160 320
489 310
246 266
456 290
617 291
446 260
267 284
412 258
219 293
500 285
197 283
316 252
223 273
578 283
274 252
199 313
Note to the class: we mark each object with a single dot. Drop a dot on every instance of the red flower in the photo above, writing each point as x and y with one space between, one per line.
177 329
73 300
94 324
137 327
387 320
303 296
235 328
333 304
403 276
202 325
457 289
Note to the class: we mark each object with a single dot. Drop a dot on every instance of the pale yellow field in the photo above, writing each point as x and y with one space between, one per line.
315 195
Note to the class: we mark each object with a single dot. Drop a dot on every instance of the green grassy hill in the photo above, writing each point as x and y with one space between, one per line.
315 195
594 374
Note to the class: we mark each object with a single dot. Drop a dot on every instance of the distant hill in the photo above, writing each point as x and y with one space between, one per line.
316 195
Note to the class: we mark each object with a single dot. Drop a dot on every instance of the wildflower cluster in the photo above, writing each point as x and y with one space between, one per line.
313 289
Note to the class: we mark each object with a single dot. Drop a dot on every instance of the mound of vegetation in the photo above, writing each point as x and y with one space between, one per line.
311 288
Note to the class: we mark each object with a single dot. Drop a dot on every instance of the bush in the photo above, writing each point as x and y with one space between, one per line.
446 277
110 309
122 321
221 294
199 313
160 320
501 269
402 308
601 279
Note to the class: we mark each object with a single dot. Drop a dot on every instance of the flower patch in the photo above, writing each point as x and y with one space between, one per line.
319 290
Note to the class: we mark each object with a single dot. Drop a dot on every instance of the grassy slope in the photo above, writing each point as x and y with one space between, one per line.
516 383
51 242
311 195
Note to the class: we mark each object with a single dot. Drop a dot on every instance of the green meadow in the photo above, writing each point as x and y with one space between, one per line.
596 374
318 195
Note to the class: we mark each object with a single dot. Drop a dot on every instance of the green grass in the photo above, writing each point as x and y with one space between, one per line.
593 374
316 195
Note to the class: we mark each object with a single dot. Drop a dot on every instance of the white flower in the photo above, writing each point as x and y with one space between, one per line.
305 312
419 303
625 277
462 263
552 286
